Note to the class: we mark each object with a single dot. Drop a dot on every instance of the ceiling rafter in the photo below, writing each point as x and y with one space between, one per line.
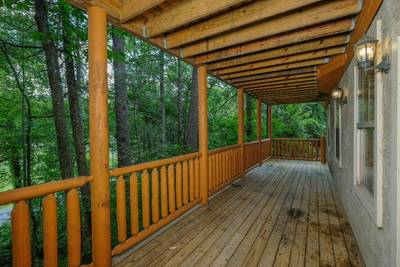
332 10
277 79
283 60
253 12
306 63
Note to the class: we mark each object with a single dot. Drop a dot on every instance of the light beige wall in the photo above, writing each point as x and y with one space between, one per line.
379 246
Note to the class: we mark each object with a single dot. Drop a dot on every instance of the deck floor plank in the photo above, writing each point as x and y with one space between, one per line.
251 225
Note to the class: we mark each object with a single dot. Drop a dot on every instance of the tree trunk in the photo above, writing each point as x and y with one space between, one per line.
123 135
73 99
249 119
193 125
162 98
53 72
179 100
77 128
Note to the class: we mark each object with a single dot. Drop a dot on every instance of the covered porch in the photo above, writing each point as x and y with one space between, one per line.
245 204
284 213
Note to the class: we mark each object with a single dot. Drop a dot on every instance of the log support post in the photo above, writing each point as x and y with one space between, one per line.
322 150
98 131
269 109
259 129
203 133
241 129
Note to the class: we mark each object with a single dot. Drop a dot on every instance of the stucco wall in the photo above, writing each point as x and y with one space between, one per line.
379 246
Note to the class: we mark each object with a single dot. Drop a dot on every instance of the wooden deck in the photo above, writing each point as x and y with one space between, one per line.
284 213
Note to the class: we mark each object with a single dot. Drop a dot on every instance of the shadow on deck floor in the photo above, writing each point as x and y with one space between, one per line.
284 213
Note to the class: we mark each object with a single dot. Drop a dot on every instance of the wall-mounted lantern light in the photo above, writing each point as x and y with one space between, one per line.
339 95
365 50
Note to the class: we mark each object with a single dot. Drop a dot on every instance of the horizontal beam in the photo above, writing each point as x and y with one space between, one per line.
312 90
278 89
316 32
277 79
274 74
133 8
307 63
281 83
184 13
313 45
329 10
242 16
284 60
281 87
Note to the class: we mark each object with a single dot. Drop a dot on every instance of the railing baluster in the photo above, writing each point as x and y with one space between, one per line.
171 188
145 199
155 196
21 241
121 209
73 228
50 257
133 192
178 185
197 178
164 192
185 183
191 180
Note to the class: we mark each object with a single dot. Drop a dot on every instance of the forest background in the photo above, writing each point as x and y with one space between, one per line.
152 105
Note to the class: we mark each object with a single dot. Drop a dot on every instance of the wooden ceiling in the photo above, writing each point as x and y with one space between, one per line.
282 51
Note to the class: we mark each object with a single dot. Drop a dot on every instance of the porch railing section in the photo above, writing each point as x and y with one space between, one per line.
296 149
50 195
159 192
223 168
148 195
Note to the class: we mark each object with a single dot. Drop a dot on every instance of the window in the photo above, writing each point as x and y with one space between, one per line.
337 131
366 128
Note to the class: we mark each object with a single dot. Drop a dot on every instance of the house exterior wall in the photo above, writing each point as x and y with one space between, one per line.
379 246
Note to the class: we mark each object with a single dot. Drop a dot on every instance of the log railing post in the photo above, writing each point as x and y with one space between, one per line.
241 129
259 129
98 131
322 150
269 129
203 133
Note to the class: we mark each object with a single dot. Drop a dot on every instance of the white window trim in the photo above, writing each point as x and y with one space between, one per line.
337 160
372 203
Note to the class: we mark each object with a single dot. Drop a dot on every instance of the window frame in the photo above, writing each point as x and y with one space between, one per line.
337 118
373 203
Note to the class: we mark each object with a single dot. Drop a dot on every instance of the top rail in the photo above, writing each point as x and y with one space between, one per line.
152 164
25 193
222 149
296 139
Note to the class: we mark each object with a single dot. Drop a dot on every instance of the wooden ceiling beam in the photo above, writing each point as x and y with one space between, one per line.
291 92
265 89
274 74
278 79
331 10
279 87
307 63
284 83
184 13
242 16
133 8
312 33
313 45
283 60
293 101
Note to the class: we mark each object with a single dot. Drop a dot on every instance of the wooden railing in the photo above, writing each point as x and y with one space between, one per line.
224 167
159 192
266 149
297 149
20 220
155 193
251 154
